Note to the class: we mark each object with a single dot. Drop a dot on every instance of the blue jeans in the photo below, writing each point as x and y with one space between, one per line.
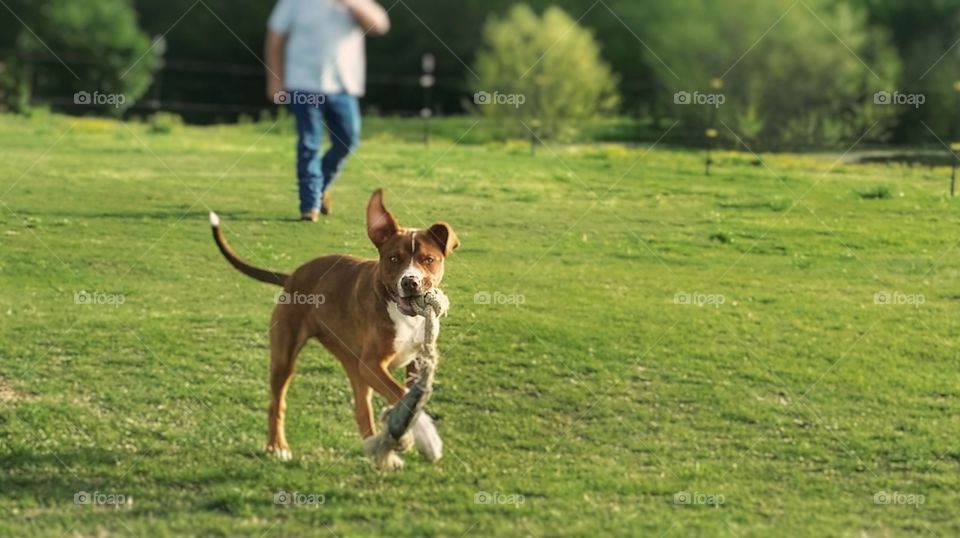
340 114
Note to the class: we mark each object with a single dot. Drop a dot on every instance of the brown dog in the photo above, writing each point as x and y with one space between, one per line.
360 311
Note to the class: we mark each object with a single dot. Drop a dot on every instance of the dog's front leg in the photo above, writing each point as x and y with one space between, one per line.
425 435
375 372
362 401
381 447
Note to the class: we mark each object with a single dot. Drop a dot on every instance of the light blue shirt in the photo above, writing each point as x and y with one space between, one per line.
325 50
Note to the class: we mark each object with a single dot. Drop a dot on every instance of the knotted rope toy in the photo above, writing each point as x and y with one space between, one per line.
395 436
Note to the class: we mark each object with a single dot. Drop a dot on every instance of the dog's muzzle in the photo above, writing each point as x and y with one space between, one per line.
409 288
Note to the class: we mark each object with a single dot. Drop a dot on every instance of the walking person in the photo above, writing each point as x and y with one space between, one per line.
316 65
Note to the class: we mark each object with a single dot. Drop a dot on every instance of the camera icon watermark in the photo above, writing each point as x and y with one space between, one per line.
496 497
86 298
296 498
896 98
297 298
696 498
697 98
515 100
896 298
98 498
96 98
284 97
696 298
899 498
498 298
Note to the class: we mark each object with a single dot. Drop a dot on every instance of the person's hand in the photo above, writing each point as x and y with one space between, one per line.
370 15
274 86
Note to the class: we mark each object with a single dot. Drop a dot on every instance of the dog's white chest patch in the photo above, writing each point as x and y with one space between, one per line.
408 339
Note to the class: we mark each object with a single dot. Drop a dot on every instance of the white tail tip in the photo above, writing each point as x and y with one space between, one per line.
214 219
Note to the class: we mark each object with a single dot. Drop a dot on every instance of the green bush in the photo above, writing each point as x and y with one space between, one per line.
164 123
793 75
544 71
881 192
925 34
91 51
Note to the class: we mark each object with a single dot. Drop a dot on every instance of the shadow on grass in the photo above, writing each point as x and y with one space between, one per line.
171 215
57 478
50 478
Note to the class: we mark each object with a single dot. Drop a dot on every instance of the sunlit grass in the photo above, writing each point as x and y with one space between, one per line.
652 332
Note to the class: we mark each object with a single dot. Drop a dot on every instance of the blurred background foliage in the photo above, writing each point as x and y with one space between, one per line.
552 91
794 74
97 44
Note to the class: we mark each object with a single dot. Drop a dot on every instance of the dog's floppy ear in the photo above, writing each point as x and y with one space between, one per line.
381 225
445 238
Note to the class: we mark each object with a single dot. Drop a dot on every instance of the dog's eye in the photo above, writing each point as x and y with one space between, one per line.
395 259
428 260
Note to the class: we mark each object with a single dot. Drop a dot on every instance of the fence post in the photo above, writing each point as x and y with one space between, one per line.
711 135
428 63
711 132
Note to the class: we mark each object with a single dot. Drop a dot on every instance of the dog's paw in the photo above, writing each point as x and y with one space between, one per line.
390 462
382 450
426 438
279 454
406 442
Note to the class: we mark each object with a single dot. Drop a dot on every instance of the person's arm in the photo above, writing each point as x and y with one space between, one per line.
369 15
273 54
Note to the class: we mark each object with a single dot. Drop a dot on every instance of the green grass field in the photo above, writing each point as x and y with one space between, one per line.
663 353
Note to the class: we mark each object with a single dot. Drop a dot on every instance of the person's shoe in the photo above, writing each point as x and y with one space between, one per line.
325 206
313 215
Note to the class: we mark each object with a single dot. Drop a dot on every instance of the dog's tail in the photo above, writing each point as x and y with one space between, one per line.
263 275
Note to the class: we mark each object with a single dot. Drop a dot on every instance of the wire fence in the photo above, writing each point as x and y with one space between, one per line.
212 92
207 92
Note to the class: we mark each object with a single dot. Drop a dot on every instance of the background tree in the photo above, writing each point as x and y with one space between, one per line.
925 34
786 84
99 43
549 70
796 81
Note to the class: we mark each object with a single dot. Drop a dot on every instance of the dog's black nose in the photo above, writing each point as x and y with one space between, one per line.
409 284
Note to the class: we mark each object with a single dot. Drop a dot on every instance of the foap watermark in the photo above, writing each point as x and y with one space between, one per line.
896 298
896 98
101 498
698 299
297 498
697 98
498 298
515 100
697 498
299 98
96 98
899 498
496 497
297 298
84 297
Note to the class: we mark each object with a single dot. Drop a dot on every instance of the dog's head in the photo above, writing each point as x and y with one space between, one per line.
411 261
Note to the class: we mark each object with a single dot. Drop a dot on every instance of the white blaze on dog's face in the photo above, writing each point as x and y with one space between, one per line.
411 261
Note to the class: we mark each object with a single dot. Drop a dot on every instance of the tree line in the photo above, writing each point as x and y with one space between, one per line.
788 72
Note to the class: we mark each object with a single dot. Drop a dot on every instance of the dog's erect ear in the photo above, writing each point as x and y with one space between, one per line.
445 238
381 225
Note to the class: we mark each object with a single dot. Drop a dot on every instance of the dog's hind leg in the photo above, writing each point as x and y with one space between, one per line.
286 341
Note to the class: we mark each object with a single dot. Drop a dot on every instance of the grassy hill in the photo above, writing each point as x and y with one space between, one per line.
633 348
